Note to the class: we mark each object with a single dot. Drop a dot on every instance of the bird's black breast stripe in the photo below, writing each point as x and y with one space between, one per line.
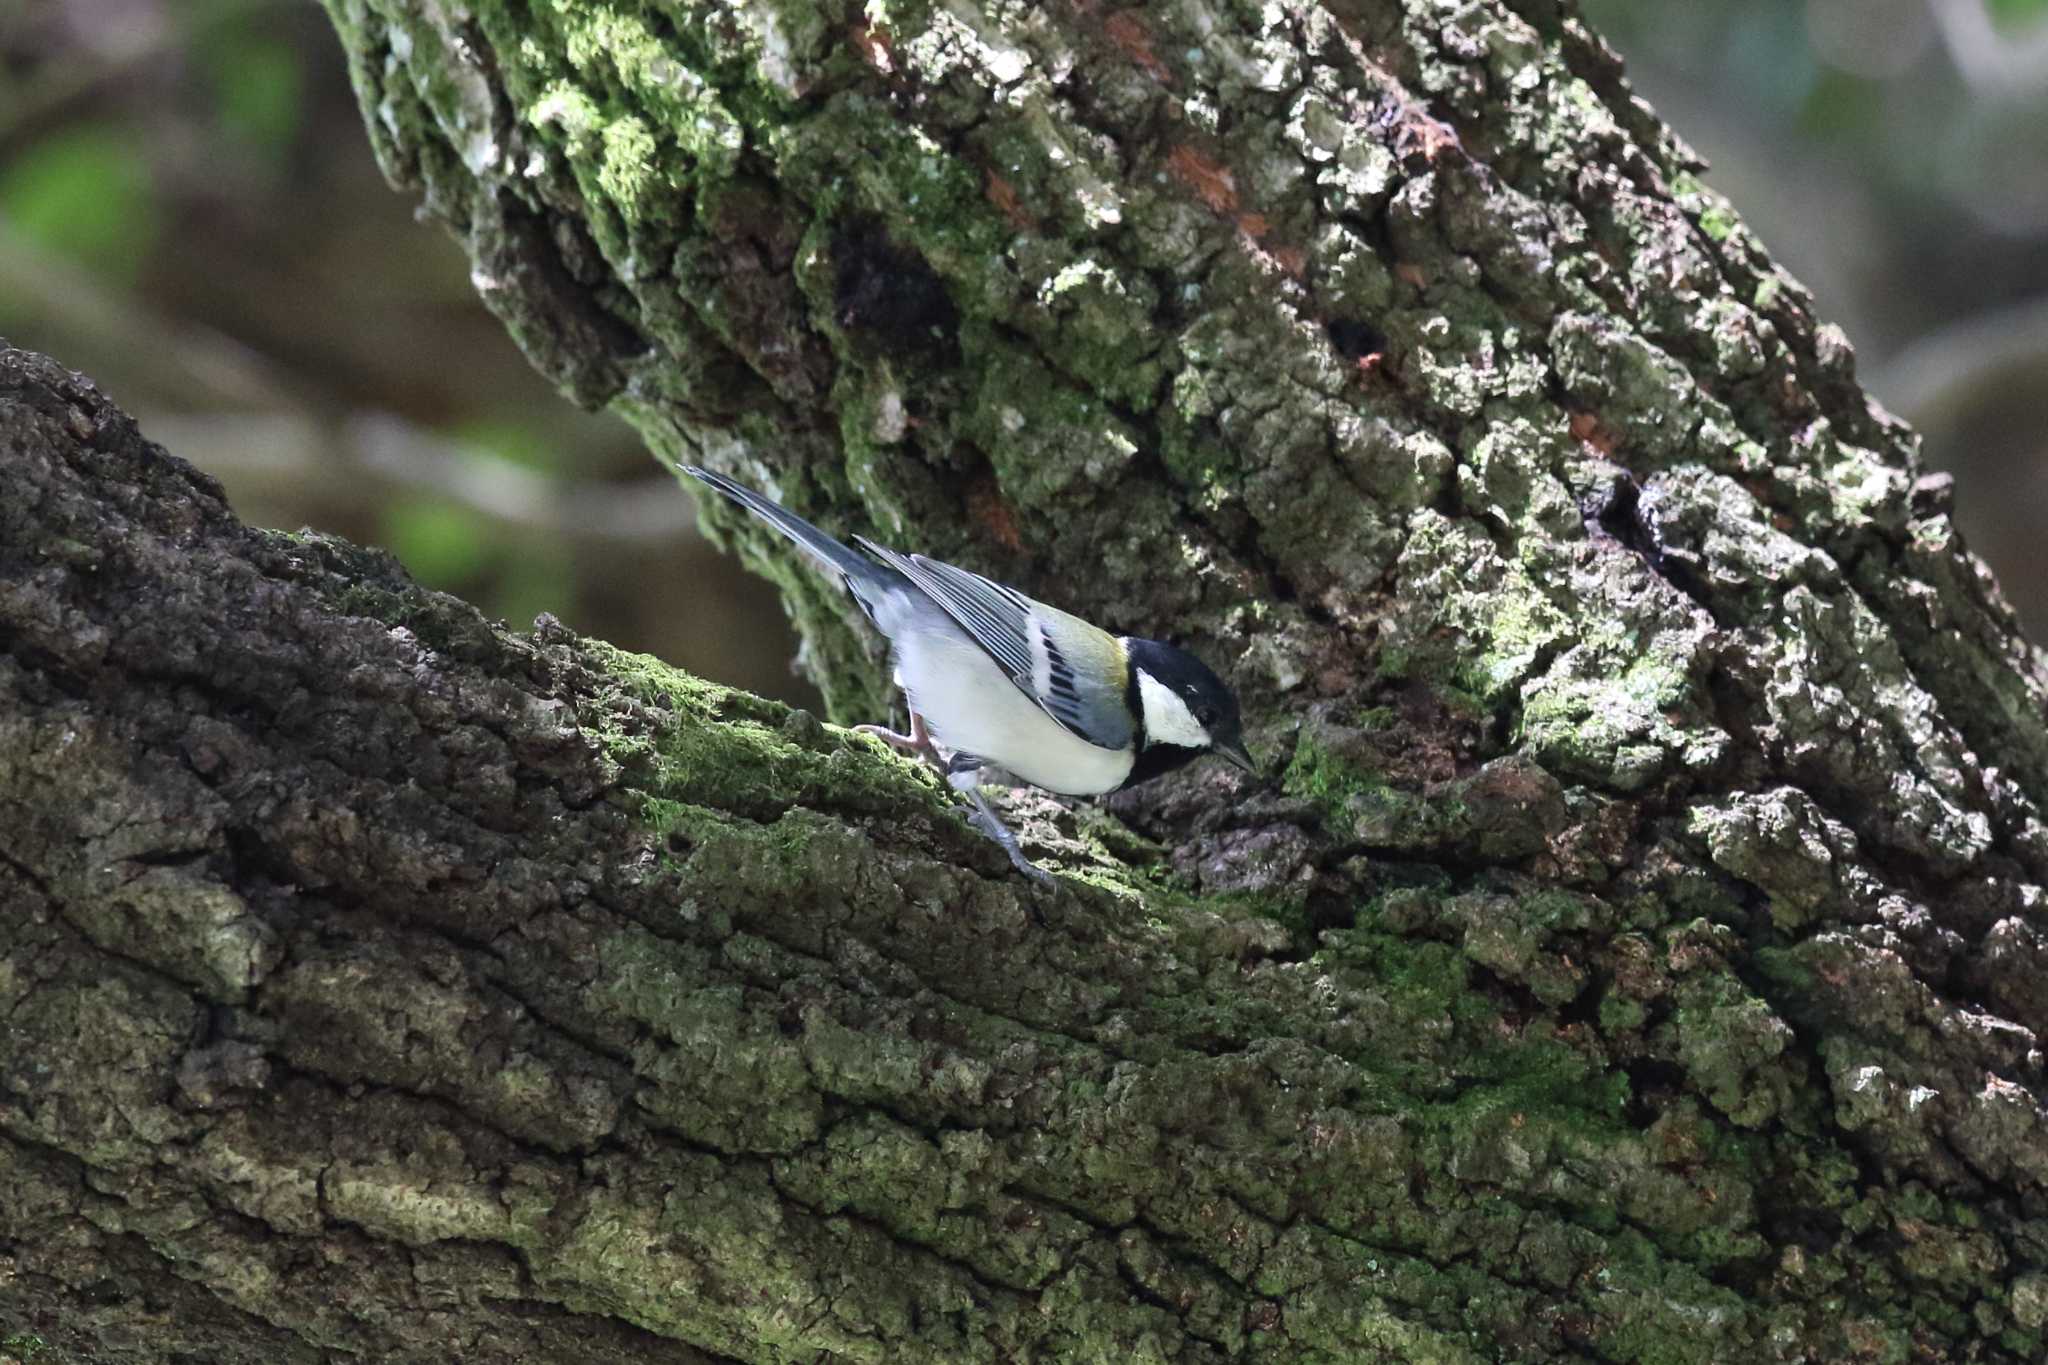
1134 702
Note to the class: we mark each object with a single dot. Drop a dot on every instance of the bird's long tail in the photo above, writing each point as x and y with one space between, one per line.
829 552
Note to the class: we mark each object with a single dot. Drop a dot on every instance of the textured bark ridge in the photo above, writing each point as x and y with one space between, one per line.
1635 949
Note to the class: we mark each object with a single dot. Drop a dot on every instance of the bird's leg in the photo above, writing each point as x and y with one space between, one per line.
917 742
963 773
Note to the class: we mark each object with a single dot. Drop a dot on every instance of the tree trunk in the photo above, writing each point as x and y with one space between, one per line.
1634 949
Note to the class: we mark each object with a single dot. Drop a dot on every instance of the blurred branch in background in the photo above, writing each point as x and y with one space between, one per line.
1994 59
1978 392
239 413
123 38
158 360
189 212
377 455
1946 375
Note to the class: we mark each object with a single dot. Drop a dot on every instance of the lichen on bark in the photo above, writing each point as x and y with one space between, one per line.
1633 949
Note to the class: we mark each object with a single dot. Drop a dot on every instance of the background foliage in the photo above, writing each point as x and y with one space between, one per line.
189 212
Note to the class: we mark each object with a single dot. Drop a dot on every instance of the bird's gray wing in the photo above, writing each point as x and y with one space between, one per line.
1084 677
1072 670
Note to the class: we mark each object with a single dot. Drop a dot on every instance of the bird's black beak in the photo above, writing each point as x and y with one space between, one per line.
1234 752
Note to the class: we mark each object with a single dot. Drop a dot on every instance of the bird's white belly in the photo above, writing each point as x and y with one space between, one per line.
972 707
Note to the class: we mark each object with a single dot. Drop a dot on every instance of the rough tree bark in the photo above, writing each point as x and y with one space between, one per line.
1635 949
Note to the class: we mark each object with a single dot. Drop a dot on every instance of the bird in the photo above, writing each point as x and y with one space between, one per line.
1005 684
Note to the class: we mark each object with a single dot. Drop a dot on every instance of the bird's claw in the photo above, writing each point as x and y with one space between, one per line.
1031 869
983 818
918 743
1017 858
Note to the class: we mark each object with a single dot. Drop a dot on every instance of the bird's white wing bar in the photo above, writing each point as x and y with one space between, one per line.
1090 705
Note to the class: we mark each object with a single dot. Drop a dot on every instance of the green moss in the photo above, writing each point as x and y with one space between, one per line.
691 743
1361 803
1333 767
718 1068
1319 775
1541 1075
1731 1042
931 197
566 107
651 1225
1489 621
1427 978
1103 331
1620 722
1043 433
1718 221
1511 936
628 170
370 584
1657 1313
1778 841
1288 910
1621 1015
404 1201
1386 817
1207 1021
1640 392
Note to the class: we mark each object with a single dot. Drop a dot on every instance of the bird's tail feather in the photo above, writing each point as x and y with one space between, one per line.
863 575
831 552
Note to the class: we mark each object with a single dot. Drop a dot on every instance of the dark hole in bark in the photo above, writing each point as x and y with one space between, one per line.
1652 1084
1330 908
1354 338
1798 1222
889 294
1583 1008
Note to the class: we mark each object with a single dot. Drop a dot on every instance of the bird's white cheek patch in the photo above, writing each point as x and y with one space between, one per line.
1167 718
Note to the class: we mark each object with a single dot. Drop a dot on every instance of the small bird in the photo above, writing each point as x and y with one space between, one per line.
1007 683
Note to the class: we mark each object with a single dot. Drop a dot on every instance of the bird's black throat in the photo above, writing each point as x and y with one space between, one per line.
1156 760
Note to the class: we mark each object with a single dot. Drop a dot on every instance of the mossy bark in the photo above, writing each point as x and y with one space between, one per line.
1635 950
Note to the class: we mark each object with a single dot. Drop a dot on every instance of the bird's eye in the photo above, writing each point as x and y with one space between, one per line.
1205 716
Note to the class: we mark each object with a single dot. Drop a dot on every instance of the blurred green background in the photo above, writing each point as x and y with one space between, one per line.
190 214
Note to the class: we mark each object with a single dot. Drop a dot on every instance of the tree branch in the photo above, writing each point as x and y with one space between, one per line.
1636 950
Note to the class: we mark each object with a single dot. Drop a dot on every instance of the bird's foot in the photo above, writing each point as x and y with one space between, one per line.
918 743
903 744
964 778
996 830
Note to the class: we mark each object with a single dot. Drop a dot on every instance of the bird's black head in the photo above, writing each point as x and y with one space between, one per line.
1184 710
